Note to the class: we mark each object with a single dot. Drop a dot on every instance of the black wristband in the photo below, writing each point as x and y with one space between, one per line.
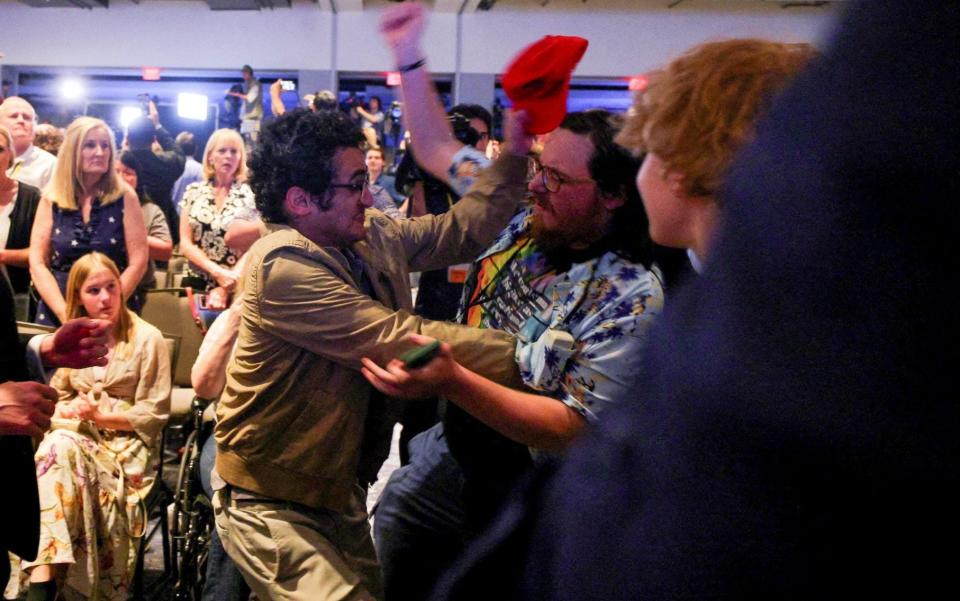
412 66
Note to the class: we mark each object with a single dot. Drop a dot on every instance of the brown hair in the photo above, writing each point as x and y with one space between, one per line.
48 137
699 110
81 270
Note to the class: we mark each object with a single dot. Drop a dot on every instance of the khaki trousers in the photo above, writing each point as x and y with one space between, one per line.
291 552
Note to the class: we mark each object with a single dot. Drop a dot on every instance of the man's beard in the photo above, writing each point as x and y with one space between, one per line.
556 246
546 240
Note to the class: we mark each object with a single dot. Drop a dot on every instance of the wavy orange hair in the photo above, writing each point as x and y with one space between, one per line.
699 110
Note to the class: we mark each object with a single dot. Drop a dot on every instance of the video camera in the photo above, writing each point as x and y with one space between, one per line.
462 130
353 100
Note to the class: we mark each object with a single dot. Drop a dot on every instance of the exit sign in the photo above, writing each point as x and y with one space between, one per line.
150 73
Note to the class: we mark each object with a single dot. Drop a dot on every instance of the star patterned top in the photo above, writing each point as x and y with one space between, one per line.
72 238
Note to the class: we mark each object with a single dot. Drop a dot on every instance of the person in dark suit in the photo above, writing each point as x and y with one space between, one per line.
160 169
796 435
25 410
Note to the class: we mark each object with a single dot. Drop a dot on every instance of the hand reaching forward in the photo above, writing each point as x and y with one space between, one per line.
436 377
25 408
78 343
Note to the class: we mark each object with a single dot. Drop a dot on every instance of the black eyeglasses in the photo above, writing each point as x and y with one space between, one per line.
550 178
355 187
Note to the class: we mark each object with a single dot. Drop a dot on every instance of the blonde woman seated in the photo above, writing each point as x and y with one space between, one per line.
98 462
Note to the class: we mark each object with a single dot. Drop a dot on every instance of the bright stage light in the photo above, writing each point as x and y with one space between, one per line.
128 114
71 89
192 106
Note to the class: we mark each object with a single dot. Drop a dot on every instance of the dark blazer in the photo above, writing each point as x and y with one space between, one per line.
159 171
20 503
21 222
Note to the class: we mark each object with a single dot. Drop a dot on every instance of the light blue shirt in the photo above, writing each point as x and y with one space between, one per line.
192 172
465 166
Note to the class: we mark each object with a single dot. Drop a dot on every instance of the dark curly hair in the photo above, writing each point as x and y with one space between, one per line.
297 150
615 168
615 171
474 111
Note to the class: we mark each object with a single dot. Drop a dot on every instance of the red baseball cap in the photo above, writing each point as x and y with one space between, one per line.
538 80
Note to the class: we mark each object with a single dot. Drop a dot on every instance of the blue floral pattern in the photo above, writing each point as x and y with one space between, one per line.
592 329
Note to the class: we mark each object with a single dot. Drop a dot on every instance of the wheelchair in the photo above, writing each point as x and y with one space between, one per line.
191 516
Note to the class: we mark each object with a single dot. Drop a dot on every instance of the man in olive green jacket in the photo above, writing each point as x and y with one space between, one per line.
300 431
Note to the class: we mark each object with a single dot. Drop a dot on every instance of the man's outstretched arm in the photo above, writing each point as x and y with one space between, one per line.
432 137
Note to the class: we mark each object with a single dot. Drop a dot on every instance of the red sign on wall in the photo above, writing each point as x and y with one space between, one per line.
150 73
393 78
637 83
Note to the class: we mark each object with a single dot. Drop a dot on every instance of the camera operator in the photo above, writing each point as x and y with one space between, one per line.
372 121
160 169
252 105
391 125
321 100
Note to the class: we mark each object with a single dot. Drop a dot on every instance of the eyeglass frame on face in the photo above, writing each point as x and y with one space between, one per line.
355 187
540 169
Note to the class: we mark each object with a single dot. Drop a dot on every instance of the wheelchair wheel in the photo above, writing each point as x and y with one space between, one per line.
192 523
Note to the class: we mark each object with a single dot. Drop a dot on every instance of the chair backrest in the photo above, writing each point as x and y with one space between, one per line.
169 310
176 268
173 345
27 330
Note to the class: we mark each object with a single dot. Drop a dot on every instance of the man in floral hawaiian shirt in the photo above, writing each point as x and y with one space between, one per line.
572 277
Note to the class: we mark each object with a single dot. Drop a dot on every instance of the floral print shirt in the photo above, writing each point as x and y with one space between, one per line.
208 225
580 333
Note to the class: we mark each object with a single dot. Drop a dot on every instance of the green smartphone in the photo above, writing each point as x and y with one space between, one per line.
421 355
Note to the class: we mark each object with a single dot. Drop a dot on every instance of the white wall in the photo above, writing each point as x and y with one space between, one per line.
629 42
187 34
184 34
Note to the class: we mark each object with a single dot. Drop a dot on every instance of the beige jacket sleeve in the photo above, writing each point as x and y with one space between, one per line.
61 382
151 402
316 309
468 228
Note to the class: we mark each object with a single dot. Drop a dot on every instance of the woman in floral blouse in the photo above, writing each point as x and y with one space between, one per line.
98 462
206 211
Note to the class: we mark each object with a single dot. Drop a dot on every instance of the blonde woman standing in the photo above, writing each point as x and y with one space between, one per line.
85 208
207 210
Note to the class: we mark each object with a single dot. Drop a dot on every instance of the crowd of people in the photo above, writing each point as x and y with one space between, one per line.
692 351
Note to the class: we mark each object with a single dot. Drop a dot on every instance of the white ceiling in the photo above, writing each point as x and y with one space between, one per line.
478 5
